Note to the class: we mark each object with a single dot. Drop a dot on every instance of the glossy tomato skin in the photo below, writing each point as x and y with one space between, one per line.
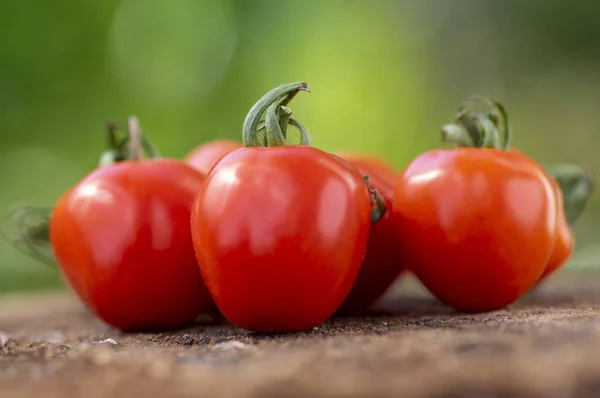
383 260
205 156
564 242
476 226
280 234
122 240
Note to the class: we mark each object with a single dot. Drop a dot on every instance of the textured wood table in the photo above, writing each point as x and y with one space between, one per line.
546 345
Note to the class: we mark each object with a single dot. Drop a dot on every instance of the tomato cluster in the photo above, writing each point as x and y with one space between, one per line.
278 237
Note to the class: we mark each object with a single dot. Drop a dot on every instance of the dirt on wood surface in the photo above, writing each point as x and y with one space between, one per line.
546 345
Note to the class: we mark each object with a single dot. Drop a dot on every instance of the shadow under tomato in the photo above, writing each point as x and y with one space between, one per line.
410 298
406 297
413 305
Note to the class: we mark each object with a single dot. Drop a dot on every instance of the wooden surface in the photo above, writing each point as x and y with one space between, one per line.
547 345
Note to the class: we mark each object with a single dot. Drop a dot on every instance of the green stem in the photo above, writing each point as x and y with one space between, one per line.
488 130
249 129
273 131
290 96
112 141
380 208
499 116
286 119
284 114
114 152
466 119
305 138
261 133
484 129
118 147
150 150
135 139
456 134
378 211
577 184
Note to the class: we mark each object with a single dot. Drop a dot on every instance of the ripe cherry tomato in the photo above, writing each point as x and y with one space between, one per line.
204 157
382 263
477 226
122 238
280 231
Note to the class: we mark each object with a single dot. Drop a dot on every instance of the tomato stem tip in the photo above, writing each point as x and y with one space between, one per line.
479 129
118 147
305 138
135 138
284 114
274 103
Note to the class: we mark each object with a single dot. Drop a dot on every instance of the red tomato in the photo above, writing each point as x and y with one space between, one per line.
382 263
204 157
280 234
477 226
122 238
565 241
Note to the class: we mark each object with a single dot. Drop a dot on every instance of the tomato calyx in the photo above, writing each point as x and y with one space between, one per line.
577 184
479 129
120 147
115 151
27 229
272 131
378 206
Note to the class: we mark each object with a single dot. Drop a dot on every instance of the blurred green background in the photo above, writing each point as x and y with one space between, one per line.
385 75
